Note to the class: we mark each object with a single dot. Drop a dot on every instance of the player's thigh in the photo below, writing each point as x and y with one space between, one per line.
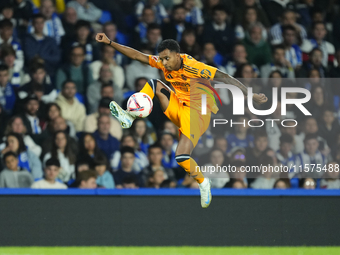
173 111
163 93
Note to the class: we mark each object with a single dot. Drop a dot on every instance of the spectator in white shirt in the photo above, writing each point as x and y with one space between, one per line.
85 10
50 181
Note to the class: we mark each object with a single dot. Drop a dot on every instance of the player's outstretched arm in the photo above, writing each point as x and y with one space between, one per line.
228 79
127 51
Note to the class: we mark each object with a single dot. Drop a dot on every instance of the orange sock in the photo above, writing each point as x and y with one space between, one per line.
150 88
190 166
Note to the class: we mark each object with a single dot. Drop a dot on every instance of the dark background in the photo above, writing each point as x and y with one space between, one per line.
171 220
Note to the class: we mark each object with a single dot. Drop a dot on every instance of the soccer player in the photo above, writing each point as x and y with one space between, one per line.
182 107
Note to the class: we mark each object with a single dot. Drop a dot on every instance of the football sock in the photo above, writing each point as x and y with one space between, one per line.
150 88
190 166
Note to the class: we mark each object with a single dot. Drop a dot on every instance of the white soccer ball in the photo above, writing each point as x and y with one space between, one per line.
140 105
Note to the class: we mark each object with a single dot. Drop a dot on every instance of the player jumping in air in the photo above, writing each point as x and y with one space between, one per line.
182 107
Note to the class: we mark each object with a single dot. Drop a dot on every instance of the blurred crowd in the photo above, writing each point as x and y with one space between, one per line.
56 83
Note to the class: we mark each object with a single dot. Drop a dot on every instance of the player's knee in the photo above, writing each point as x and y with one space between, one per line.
182 157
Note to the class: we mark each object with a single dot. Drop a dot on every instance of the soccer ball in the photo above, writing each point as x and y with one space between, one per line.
139 105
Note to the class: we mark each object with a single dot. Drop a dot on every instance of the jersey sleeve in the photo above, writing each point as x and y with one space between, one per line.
153 61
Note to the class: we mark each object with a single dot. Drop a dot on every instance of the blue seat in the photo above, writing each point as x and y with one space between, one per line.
106 17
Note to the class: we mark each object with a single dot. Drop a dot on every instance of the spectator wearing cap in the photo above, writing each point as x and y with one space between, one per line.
8 96
101 88
221 34
86 10
51 172
13 176
105 141
39 80
38 44
108 54
91 121
71 108
126 168
76 70
6 38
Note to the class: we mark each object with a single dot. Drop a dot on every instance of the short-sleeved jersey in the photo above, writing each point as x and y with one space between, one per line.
188 82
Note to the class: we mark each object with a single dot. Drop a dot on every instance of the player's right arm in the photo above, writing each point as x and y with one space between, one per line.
127 51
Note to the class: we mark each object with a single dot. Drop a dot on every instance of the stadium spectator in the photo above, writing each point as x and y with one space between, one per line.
126 168
16 125
211 56
71 108
27 159
51 173
237 154
335 70
89 150
104 177
90 124
311 156
69 22
140 161
130 183
166 140
7 57
63 151
237 175
108 54
221 34
288 17
105 141
329 127
240 138
103 87
238 184
148 17
155 179
314 62
318 41
307 183
37 44
285 155
76 70
23 11
53 26
291 129
282 184
194 14
218 178
86 10
161 14
250 18
331 179
260 145
137 70
87 180
143 135
155 156
239 57
319 101
13 176
39 79
153 38
265 180
292 50
8 96
189 44
279 63
243 10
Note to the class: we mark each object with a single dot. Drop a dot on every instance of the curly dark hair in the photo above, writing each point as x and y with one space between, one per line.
169 44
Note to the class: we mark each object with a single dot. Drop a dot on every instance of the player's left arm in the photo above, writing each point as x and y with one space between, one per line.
228 79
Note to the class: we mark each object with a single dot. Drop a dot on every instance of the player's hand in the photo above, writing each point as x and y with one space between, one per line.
260 98
101 37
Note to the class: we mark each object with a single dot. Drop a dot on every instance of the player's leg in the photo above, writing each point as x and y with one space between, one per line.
152 87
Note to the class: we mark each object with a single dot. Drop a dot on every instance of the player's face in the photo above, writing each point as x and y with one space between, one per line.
3 78
18 126
169 59
51 173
